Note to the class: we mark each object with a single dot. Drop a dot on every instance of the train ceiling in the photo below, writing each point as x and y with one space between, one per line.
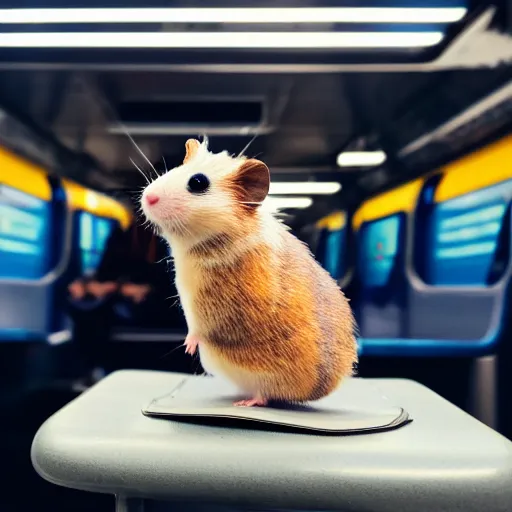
69 100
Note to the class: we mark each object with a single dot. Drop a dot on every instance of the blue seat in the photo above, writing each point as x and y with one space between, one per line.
93 232
321 246
330 247
33 255
443 291
453 273
334 261
380 307
379 284
457 296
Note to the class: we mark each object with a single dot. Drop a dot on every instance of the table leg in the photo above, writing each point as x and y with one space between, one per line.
125 504
484 390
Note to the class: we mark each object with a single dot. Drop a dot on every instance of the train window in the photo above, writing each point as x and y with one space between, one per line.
94 232
334 256
378 249
463 236
24 230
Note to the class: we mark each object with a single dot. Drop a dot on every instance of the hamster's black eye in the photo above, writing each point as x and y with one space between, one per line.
198 184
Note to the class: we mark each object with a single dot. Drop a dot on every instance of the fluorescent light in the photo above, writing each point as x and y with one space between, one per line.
304 187
361 158
275 204
307 40
236 15
157 129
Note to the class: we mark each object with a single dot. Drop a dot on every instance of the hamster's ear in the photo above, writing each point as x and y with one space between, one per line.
191 147
253 180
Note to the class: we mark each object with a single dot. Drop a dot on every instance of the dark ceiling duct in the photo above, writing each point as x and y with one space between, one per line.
192 112
187 116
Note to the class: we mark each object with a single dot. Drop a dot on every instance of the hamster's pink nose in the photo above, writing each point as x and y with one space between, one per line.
152 199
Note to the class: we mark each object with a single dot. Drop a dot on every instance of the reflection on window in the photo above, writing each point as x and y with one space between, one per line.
467 250
24 230
469 234
464 234
94 233
378 250
481 215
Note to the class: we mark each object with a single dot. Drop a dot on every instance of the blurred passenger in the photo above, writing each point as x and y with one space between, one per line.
130 286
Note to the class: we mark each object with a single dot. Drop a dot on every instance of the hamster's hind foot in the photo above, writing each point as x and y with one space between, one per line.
252 402
191 344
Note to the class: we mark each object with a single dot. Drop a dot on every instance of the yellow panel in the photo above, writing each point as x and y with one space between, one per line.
332 222
22 175
478 170
336 221
322 223
81 198
75 195
401 199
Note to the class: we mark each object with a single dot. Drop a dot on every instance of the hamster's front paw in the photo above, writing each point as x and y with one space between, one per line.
191 344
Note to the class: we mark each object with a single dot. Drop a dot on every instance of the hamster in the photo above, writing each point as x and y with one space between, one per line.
260 310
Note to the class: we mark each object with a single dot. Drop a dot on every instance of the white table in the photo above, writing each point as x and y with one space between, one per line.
445 460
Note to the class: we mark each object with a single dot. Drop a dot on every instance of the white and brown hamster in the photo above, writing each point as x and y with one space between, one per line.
262 312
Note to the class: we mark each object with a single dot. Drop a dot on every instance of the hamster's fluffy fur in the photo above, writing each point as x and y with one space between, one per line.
267 315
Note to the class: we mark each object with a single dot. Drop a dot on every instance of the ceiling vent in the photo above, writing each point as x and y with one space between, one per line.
191 117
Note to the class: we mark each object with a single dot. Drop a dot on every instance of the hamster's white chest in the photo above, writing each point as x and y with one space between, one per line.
188 279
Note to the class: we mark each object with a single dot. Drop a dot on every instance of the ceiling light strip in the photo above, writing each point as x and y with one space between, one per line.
236 15
361 158
281 203
204 40
304 187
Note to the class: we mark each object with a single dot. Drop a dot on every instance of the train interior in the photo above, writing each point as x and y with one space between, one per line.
394 165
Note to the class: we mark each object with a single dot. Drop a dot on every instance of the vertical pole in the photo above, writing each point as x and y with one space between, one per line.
484 390
125 504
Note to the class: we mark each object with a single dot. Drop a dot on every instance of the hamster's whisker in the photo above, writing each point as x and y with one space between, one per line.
242 153
141 152
165 164
173 350
140 170
109 110
145 222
